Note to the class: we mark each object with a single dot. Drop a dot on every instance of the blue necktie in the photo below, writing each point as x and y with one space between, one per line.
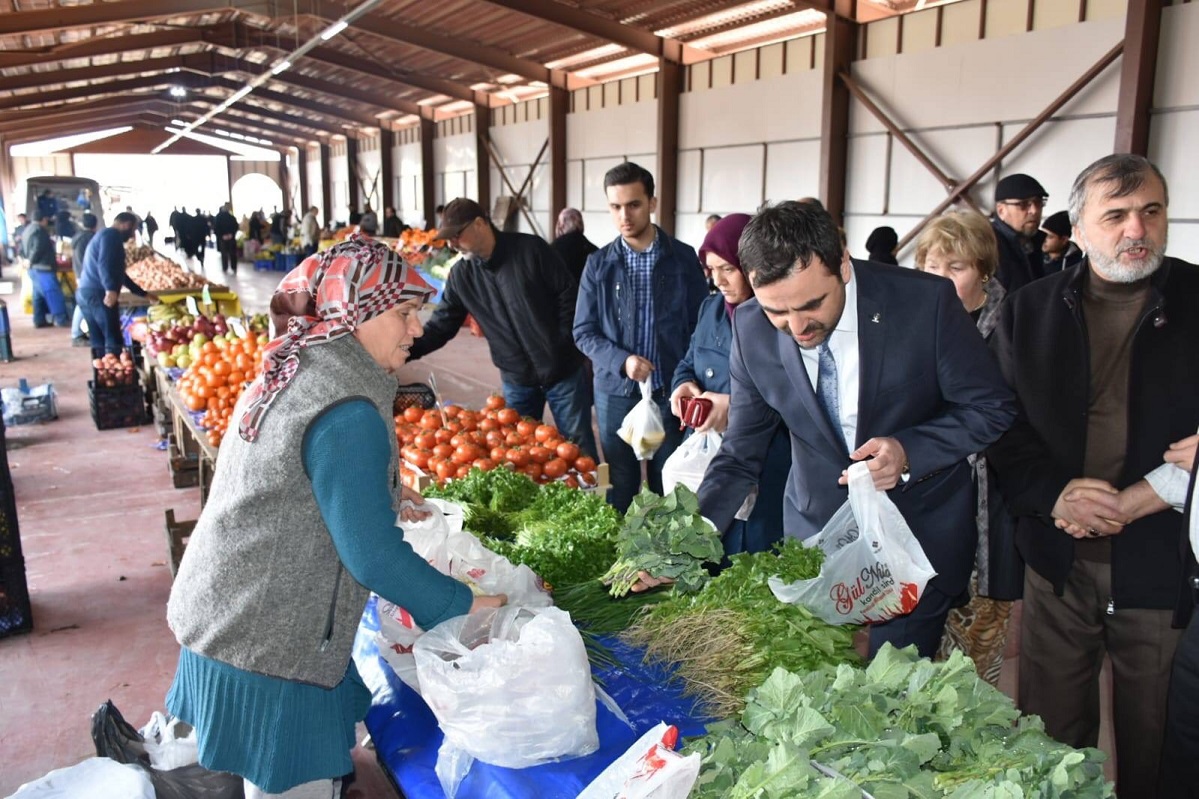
826 388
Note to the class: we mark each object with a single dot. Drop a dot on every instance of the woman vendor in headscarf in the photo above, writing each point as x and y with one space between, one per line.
704 372
299 527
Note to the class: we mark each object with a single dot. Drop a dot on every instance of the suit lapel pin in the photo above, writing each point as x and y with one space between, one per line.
874 319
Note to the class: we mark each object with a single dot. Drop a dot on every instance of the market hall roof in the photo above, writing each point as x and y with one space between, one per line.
402 60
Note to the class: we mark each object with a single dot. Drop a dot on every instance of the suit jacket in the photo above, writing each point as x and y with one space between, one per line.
926 378
1043 350
1016 267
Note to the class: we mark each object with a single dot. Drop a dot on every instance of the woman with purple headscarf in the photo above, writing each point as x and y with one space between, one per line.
704 372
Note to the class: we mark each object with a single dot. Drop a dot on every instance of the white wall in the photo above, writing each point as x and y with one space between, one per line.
518 145
406 166
312 171
454 165
1174 122
960 103
370 176
340 186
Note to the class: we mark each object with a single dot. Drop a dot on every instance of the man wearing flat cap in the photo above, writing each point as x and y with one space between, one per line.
1019 200
1059 252
520 293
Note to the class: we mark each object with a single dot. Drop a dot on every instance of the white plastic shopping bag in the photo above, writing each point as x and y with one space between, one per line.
642 427
649 769
689 463
170 742
874 568
511 687
451 550
94 778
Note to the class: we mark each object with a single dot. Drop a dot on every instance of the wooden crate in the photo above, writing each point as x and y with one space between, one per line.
184 469
178 534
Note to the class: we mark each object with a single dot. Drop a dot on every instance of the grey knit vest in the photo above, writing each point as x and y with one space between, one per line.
261 586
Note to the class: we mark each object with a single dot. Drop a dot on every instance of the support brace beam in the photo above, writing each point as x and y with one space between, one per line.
1138 69
840 36
670 87
387 140
482 164
559 106
428 175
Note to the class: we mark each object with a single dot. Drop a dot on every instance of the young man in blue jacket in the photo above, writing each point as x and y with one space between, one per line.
637 306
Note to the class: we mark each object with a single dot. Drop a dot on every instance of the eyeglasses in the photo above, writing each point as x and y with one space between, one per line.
1025 205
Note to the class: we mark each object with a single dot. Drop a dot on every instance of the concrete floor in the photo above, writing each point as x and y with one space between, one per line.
90 507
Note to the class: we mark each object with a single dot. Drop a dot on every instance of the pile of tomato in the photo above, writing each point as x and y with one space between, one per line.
491 438
214 382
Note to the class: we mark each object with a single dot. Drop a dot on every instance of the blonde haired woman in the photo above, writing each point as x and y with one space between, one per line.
961 246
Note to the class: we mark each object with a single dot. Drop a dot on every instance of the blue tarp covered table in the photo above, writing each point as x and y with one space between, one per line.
406 736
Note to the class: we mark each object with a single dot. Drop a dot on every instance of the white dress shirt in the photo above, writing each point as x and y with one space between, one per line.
1170 483
844 346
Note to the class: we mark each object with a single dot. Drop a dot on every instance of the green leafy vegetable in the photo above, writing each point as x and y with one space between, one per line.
667 537
902 727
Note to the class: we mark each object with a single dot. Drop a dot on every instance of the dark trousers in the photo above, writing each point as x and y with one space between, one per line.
570 403
1062 645
624 470
923 627
1180 750
103 324
228 250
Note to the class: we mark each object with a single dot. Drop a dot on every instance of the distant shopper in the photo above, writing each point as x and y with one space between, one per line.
256 226
369 223
355 216
78 249
1019 201
393 226
519 292
224 227
570 243
18 232
151 227
47 205
310 230
100 284
43 273
711 221
881 244
637 310
278 227
1059 252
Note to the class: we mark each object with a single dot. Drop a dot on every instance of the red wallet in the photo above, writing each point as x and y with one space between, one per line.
695 410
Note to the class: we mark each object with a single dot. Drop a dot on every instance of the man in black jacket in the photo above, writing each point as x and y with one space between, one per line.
1104 362
1019 200
225 227
1059 252
522 296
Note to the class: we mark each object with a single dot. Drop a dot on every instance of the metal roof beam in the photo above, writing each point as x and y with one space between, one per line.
49 20
109 87
55 131
8 126
89 48
116 69
304 126
62 109
642 41
260 129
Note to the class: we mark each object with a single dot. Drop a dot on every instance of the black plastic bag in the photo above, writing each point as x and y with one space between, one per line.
117 739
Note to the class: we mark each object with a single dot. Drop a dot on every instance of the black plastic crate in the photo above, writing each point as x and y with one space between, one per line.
122 406
16 613
413 394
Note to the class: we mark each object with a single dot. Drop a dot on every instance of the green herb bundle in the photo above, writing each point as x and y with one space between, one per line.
729 637
666 537
902 728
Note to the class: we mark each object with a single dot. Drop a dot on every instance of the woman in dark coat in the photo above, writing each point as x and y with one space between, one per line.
570 243
881 244
704 372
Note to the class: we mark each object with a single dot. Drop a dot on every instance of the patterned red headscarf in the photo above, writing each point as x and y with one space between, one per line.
323 299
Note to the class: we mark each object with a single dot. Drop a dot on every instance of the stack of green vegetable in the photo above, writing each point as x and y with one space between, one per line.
902 727
729 637
565 535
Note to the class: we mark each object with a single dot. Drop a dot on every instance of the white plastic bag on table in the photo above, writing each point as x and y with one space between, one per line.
874 568
511 687
94 778
642 427
649 769
170 742
451 550
689 463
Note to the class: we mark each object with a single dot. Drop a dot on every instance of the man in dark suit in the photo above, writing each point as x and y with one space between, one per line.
860 361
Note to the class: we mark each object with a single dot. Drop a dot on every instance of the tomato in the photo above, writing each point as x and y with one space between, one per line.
571 481
236 378
463 471
508 416
556 468
214 438
484 464
430 420
526 427
568 451
446 470
533 470
514 439
587 478
517 457
552 444
426 440
434 462
469 421
452 411
408 437
442 435
458 440
487 424
544 433
494 438
408 453
585 464
465 453
413 414
496 402
454 427
443 450
539 454
420 458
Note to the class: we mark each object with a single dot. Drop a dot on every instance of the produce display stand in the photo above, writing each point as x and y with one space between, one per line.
225 301
406 736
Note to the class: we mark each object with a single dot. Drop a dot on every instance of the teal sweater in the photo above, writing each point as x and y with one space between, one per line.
280 733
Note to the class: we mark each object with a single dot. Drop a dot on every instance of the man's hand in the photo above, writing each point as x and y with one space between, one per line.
688 389
637 368
410 514
1182 453
887 462
718 417
1089 508
110 298
485 602
646 581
